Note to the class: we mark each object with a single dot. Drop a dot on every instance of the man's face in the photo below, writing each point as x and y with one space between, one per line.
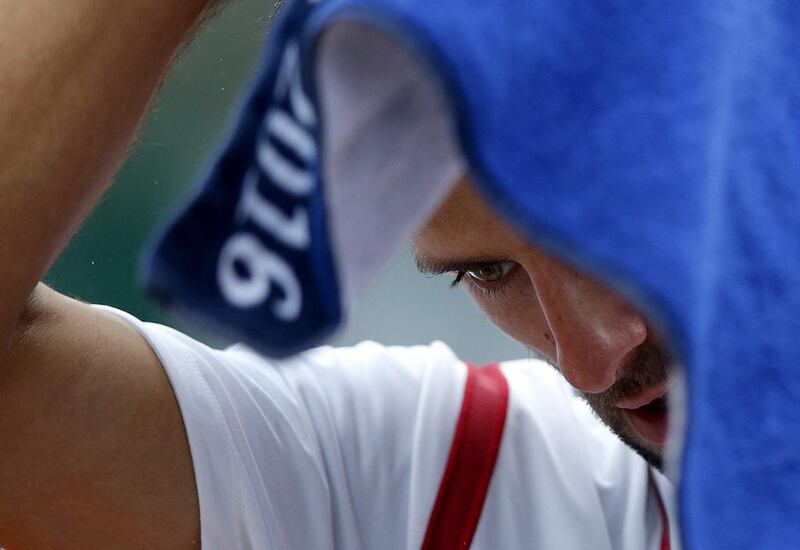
602 346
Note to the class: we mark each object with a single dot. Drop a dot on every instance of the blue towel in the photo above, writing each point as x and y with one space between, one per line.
655 144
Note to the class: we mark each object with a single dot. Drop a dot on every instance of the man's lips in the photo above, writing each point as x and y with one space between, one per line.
647 414
644 398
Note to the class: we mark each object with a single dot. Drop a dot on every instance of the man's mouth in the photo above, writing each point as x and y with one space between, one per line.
647 413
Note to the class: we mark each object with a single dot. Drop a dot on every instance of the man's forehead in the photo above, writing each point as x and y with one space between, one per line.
463 229
460 204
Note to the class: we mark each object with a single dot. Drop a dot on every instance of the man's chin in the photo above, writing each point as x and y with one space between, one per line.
653 454
654 457
615 420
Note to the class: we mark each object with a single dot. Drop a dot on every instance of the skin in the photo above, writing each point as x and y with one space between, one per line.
93 453
602 346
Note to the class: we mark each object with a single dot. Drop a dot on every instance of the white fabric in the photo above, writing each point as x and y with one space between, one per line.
379 109
345 448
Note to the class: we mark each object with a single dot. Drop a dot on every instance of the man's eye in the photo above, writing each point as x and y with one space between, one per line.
492 272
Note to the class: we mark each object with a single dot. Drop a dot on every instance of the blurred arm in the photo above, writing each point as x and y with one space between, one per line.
75 79
93 452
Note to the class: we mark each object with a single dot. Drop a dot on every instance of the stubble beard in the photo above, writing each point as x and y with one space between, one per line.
646 368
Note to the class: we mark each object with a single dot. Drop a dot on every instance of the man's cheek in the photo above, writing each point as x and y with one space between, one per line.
521 318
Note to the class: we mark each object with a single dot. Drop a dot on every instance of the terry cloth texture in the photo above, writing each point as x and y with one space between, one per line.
656 145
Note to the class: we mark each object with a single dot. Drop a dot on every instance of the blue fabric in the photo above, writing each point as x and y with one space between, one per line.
248 257
654 143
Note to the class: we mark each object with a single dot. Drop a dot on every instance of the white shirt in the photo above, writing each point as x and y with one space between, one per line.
345 448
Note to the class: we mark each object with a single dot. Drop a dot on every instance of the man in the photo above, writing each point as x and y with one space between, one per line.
98 452
602 346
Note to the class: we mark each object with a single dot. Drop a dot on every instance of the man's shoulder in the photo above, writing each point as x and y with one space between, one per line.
545 407
367 372
366 356
538 388
386 383
370 373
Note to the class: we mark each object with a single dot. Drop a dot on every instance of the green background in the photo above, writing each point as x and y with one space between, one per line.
190 114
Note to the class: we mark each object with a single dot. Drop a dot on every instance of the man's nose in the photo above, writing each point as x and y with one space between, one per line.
593 328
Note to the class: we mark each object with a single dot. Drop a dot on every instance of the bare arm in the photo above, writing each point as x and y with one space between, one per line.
92 448
75 78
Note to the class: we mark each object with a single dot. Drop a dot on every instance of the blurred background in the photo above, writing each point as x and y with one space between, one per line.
186 123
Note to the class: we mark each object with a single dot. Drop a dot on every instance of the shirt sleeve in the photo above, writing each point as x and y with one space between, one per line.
336 448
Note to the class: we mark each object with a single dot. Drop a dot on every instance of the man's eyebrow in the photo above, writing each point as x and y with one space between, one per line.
438 266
